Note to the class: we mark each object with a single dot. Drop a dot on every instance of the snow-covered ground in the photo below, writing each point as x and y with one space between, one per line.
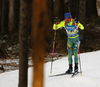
90 76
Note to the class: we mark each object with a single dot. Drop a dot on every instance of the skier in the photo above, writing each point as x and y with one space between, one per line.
71 28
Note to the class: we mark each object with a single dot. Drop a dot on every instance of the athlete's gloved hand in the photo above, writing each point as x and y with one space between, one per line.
76 20
56 19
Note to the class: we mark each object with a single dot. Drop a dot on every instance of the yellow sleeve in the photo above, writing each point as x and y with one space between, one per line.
80 26
61 24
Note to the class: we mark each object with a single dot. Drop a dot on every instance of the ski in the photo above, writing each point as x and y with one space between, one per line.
74 74
60 74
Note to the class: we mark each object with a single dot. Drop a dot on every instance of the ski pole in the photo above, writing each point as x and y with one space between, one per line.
79 60
79 54
69 9
53 46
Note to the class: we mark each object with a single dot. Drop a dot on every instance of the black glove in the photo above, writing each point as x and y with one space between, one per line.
56 19
76 20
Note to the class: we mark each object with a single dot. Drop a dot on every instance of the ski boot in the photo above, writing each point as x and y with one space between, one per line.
69 71
76 67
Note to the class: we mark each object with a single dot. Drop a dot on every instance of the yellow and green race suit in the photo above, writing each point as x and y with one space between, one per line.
73 37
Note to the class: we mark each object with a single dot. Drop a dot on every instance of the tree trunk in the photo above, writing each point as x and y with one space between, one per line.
13 14
59 9
4 19
82 19
39 25
16 14
0 13
82 11
23 42
50 11
91 10
74 8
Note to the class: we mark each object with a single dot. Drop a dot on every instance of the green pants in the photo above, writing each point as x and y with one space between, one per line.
72 47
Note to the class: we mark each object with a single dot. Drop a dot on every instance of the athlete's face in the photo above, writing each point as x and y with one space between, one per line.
68 20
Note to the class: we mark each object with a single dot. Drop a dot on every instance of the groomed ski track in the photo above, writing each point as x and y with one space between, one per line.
90 76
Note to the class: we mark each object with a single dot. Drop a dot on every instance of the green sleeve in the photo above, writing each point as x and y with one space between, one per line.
61 24
80 26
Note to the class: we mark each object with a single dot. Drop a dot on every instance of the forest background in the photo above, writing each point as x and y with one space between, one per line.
16 30
86 12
